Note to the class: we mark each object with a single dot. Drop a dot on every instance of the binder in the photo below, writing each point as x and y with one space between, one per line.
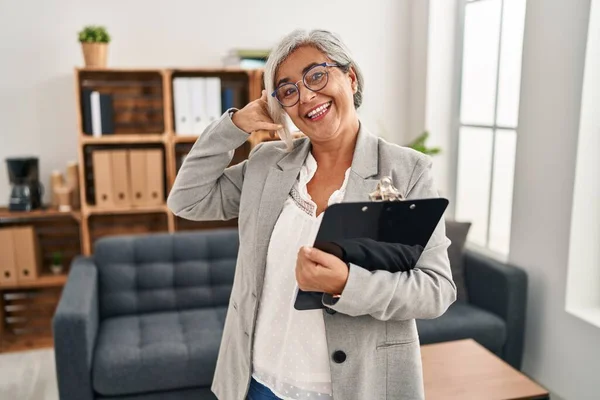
182 103
107 122
8 263
96 114
226 99
120 178
377 235
27 253
213 99
198 106
103 185
154 177
86 103
137 177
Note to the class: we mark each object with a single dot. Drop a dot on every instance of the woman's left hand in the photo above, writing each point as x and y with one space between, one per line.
317 271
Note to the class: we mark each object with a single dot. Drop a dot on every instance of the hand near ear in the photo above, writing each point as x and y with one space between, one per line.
255 117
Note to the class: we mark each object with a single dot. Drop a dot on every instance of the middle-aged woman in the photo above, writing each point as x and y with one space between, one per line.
364 344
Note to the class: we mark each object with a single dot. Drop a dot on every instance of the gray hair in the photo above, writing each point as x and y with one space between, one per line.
327 42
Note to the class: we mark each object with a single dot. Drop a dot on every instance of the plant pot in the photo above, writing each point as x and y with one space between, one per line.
56 269
94 54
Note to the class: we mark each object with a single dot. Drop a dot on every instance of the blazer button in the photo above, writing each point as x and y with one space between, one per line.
330 311
339 356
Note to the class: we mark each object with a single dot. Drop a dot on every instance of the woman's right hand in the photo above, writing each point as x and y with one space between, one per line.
255 117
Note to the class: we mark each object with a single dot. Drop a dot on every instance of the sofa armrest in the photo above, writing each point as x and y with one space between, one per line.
75 326
502 290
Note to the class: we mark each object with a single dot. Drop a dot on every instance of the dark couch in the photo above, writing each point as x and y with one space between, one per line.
143 317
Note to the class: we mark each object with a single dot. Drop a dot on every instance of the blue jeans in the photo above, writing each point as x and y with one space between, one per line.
259 391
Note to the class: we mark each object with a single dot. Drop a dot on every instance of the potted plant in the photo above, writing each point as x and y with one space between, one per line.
94 43
57 263
419 145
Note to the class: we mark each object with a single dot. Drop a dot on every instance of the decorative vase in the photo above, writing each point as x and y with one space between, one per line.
95 54
56 269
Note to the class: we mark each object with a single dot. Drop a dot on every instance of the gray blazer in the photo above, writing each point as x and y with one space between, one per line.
374 320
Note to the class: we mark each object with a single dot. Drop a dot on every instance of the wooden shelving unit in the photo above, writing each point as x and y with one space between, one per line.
143 118
150 90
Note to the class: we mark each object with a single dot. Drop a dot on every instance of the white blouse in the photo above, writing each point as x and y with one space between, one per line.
290 347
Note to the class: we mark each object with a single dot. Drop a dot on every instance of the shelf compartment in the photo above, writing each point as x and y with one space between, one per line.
88 169
136 97
26 318
55 234
235 82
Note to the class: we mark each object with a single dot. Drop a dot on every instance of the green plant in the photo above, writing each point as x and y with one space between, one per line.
419 145
94 34
57 258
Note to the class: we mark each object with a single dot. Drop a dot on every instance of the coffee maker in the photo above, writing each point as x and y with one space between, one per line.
26 192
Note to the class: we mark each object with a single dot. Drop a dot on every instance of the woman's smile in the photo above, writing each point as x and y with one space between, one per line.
319 112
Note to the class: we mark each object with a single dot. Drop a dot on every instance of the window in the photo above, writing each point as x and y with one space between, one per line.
492 42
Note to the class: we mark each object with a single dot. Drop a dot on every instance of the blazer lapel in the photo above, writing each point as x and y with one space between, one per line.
280 180
365 167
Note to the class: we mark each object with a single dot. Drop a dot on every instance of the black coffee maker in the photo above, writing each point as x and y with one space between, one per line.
26 193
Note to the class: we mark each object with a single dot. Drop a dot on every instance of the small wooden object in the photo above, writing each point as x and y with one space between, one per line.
73 182
56 180
64 195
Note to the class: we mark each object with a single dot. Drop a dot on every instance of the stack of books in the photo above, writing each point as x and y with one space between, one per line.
246 58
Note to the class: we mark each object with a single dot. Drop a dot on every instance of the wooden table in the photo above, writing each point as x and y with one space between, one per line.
465 370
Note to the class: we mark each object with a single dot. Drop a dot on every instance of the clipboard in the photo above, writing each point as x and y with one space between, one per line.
398 230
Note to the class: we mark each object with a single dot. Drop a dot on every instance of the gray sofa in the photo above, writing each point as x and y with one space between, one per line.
143 317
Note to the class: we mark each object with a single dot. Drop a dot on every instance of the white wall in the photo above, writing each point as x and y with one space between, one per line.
39 51
561 351
583 286
418 26
440 91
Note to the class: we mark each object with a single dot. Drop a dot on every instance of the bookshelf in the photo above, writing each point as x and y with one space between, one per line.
143 119
143 114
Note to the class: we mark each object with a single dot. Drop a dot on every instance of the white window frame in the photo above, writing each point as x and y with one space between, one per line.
457 123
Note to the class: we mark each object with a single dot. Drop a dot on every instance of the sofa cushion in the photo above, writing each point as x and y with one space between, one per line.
155 352
165 272
457 233
464 321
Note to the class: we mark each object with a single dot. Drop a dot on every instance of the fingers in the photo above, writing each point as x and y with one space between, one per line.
263 96
267 126
320 257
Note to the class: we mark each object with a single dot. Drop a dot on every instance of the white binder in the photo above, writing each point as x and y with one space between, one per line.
182 106
198 106
96 114
213 99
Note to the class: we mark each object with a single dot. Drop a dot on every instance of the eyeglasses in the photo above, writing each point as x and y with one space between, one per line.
315 79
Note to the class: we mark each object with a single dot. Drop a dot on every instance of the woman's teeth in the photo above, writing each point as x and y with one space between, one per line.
318 111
